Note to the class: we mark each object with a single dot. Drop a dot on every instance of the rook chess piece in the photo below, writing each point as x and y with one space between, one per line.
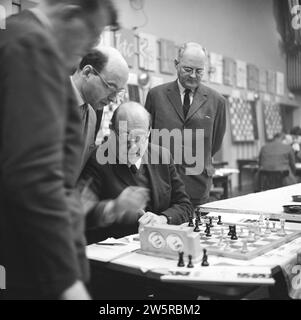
190 265
205 262
181 259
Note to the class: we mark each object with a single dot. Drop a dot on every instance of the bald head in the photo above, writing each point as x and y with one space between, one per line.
192 48
134 114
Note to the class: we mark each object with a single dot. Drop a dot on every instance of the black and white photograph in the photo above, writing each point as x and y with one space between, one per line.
150 150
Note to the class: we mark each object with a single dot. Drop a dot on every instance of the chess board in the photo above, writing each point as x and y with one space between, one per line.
233 248
242 120
272 119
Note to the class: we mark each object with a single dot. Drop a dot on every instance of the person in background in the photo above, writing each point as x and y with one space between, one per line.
279 156
42 244
100 77
187 104
130 166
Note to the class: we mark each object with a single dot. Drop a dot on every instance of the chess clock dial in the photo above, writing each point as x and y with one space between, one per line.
174 242
156 240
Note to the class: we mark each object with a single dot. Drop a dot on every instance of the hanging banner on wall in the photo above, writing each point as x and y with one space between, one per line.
216 68
280 83
167 56
229 72
271 82
147 45
262 80
253 77
125 43
241 74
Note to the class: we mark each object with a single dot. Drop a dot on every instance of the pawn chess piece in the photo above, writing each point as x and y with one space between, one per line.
181 259
219 222
205 262
207 231
190 224
196 229
190 265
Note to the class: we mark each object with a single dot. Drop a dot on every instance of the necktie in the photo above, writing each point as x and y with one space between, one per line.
133 169
186 104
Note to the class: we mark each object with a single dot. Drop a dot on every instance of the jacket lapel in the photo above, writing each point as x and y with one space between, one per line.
200 97
175 99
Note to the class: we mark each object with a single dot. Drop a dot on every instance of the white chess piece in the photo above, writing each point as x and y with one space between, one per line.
244 248
274 229
282 228
267 227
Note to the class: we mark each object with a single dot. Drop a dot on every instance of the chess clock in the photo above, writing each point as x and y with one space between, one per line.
168 240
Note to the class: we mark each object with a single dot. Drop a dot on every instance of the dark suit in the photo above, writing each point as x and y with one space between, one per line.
207 112
168 196
280 157
42 242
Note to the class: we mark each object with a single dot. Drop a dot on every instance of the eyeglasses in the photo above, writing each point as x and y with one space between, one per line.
133 137
199 72
111 87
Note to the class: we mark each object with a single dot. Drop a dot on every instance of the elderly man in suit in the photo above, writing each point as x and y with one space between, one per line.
100 77
186 104
42 244
125 160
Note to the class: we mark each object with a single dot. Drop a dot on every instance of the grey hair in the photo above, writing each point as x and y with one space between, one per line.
186 45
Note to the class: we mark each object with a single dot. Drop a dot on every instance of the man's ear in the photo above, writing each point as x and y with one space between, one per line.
87 70
176 62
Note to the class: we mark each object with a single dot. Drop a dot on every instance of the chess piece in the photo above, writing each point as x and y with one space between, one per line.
219 222
190 265
221 239
210 222
244 248
207 231
282 228
190 224
181 259
267 227
241 234
205 262
234 236
230 231
250 236
261 219
196 229
274 229
227 245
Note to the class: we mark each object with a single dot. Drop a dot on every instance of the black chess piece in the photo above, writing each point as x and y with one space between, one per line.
198 217
190 224
234 235
196 229
181 259
190 265
210 222
205 262
230 231
207 231
219 222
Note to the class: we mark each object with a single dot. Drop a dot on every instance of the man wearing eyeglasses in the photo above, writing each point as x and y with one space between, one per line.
99 80
187 104
127 161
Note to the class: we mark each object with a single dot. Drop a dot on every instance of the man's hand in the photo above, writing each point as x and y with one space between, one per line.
76 292
150 217
132 199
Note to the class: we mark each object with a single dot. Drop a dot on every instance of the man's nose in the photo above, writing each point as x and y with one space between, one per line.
193 74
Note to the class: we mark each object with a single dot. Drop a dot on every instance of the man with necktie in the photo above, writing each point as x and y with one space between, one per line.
186 104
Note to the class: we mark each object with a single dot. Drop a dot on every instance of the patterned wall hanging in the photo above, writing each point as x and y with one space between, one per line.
147 44
229 72
125 43
242 120
272 119
167 56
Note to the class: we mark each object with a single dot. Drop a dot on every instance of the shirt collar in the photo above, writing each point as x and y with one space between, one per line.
41 16
182 89
78 96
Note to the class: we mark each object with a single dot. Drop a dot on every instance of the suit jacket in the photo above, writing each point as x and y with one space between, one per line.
280 157
168 196
207 112
42 241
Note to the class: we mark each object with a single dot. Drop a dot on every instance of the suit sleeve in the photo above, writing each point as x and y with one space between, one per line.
180 207
292 161
148 104
219 126
33 128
